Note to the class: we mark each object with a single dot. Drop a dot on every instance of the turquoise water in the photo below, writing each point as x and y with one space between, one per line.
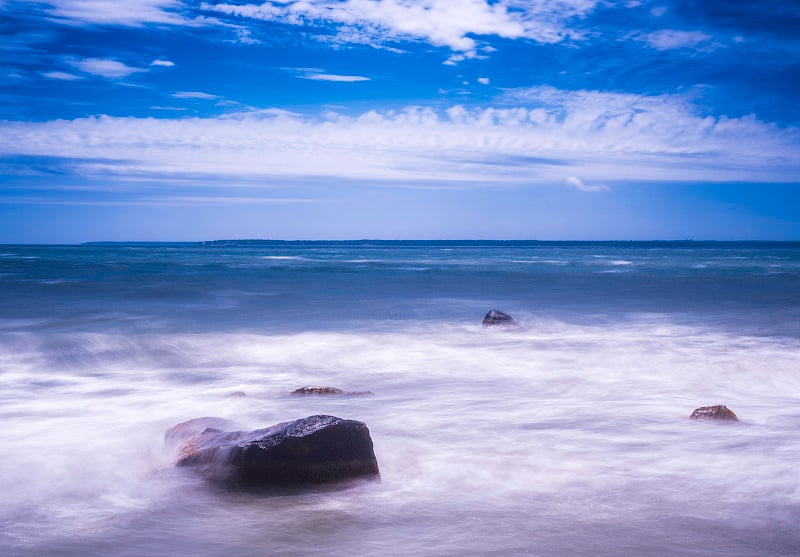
568 437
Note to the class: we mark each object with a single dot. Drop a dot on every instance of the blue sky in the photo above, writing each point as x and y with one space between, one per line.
338 119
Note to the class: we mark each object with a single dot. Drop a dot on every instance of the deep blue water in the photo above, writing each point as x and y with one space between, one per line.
319 285
568 437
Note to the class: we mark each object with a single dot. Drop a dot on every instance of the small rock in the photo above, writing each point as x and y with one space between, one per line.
316 449
327 391
318 391
184 430
496 318
718 412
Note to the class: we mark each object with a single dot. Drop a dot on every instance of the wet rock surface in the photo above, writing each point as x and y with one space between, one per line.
181 432
718 412
314 450
496 318
327 391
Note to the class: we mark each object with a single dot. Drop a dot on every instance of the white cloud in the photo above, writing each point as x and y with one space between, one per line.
483 80
334 77
195 95
117 12
670 39
550 137
105 67
245 36
163 63
440 22
454 59
577 183
64 76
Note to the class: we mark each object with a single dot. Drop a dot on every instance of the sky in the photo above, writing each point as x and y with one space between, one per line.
184 120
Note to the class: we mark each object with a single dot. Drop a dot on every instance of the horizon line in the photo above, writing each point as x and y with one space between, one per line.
466 241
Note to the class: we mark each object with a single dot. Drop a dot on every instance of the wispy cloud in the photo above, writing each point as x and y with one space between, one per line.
163 63
317 74
195 95
671 39
334 77
63 76
577 183
117 12
658 11
550 137
439 22
105 67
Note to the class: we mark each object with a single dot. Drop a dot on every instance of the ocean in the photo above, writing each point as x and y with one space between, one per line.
570 436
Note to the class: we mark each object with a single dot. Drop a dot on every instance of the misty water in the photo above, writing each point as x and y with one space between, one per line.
569 437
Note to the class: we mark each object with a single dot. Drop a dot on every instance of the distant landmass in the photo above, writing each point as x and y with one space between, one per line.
465 243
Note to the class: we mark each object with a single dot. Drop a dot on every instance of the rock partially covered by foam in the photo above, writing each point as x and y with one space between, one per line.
181 432
327 391
718 412
313 450
496 318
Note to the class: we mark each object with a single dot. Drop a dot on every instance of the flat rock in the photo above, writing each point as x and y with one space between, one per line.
496 318
327 391
181 432
718 412
313 450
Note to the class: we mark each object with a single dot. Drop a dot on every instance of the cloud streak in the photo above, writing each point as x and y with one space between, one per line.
335 77
117 12
578 184
671 39
199 95
550 137
105 67
63 76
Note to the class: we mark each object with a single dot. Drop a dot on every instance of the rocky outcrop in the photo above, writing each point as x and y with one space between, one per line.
496 318
317 449
327 391
718 412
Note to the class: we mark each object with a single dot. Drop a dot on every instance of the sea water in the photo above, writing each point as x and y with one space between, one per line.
567 437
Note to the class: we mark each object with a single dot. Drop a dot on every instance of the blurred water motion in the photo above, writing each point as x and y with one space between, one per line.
568 437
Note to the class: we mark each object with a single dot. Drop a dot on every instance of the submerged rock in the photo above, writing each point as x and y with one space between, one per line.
496 318
718 412
327 391
316 449
181 432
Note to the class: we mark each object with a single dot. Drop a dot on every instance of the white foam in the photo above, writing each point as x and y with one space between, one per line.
562 422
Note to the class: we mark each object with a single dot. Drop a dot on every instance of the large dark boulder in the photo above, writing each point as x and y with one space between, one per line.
718 412
316 449
496 318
